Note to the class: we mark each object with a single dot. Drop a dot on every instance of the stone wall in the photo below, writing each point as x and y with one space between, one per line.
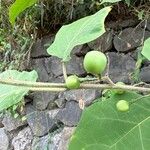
52 116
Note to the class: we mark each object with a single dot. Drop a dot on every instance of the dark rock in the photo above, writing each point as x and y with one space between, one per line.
74 66
77 50
87 95
70 115
10 123
4 140
129 39
120 67
145 74
39 48
65 137
23 140
103 43
40 122
81 51
39 66
42 99
121 24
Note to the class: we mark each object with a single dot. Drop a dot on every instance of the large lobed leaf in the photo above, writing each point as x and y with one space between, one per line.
102 127
146 49
10 95
17 7
77 33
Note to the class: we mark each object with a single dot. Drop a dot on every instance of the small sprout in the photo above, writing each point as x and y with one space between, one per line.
122 105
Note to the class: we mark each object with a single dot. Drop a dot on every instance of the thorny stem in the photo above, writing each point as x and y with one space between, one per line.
41 86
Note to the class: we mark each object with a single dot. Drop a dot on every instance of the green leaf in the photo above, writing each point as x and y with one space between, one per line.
109 1
17 7
11 95
128 2
77 33
102 127
146 49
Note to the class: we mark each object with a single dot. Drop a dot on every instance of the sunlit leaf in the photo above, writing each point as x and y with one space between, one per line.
17 7
11 95
102 127
77 33
146 49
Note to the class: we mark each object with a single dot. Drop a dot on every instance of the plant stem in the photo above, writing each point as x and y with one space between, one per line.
41 86
64 70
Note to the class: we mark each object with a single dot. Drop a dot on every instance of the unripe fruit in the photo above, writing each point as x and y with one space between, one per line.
95 62
119 91
72 82
122 105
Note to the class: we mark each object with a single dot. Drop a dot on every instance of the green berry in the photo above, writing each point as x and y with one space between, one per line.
95 62
119 91
122 105
72 82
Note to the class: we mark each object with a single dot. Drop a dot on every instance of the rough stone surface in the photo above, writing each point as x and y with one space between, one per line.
74 66
129 39
120 67
39 66
70 115
60 102
81 51
103 43
23 140
40 122
42 99
121 24
40 46
11 123
87 95
65 137
145 74
48 142
4 140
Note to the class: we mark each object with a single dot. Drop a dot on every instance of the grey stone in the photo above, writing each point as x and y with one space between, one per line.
48 142
10 123
23 140
103 43
40 122
39 66
60 102
70 115
65 137
4 140
41 143
87 95
120 67
129 39
145 74
40 46
74 66
42 99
